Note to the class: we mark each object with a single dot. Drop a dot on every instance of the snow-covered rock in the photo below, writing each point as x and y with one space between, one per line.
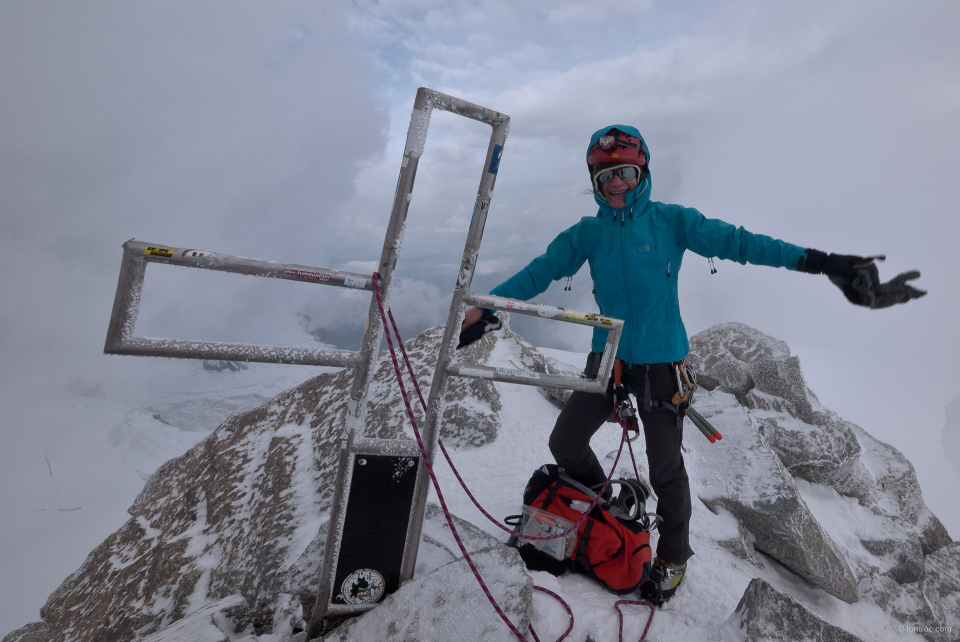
813 505
766 615
33 632
942 582
435 607
721 356
816 445
221 621
471 415
931 604
743 475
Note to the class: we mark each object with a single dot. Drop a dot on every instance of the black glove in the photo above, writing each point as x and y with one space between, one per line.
859 279
487 323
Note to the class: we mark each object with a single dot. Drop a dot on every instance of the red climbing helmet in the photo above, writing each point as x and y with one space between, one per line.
618 147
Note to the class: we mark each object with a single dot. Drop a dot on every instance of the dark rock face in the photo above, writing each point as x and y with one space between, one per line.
558 396
766 615
783 378
817 453
33 632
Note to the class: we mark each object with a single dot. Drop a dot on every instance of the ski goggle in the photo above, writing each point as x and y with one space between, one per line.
627 173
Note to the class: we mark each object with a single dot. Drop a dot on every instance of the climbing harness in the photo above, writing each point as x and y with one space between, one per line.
681 403
443 503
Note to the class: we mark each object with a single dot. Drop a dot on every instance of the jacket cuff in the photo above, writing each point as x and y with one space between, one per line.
812 261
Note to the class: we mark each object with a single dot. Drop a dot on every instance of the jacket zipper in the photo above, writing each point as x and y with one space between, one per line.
626 283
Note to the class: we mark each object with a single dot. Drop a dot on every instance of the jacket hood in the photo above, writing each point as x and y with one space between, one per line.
638 198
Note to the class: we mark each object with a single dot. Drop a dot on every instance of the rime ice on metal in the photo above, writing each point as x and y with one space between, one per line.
354 441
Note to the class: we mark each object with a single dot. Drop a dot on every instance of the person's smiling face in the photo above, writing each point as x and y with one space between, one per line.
616 190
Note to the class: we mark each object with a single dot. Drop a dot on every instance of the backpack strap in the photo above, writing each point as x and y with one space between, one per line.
589 492
553 488
602 504
582 558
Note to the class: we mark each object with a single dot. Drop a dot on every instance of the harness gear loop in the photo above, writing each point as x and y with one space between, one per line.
623 407
684 394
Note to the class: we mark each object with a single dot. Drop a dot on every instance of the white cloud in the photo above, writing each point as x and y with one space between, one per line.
170 125
363 267
276 132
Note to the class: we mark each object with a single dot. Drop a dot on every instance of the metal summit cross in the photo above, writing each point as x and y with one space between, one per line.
384 476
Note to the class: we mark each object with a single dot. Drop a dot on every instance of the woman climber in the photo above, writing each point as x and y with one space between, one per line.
635 247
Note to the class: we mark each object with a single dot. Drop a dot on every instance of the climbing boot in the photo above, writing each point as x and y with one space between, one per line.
665 578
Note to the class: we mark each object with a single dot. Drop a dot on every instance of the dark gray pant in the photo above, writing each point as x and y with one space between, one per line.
583 415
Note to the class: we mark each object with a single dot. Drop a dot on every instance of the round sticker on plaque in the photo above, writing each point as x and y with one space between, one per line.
362 587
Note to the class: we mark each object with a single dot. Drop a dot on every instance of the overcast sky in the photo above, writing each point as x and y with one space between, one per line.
275 130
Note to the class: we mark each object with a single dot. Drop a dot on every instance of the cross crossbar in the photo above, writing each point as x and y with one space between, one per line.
126 307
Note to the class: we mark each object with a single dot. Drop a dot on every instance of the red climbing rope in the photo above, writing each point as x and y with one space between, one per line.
433 476
640 603
463 484
443 504
562 603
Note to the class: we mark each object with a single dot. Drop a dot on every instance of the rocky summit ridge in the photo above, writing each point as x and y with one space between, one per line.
806 525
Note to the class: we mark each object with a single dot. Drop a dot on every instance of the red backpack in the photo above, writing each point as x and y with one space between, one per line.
612 543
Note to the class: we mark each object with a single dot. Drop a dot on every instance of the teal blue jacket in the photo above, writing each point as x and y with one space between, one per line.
635 254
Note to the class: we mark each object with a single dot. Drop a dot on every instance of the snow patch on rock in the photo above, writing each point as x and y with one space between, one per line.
448 603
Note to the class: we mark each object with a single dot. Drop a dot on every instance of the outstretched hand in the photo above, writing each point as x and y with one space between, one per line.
859 279
867 290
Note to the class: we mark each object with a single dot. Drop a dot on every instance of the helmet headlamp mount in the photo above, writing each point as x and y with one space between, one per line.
607 143
617 147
